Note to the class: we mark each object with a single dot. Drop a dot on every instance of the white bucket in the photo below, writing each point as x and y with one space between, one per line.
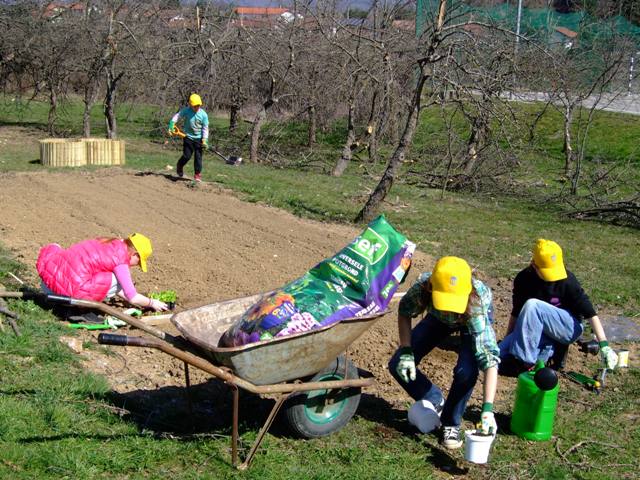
477 446
623 358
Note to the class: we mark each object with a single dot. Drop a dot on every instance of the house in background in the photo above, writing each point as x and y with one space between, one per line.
564 37
261 17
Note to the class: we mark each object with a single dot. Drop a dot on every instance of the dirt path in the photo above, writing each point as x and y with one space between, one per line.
208 246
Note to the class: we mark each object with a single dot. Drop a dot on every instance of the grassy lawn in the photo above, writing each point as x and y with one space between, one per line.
57 421
494 233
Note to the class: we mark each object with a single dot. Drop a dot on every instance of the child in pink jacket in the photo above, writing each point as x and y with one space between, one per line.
97 269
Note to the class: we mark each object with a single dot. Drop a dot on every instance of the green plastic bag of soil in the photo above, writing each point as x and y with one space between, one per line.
359 280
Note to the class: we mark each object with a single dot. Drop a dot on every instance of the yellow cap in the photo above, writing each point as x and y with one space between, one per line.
451 284
547 255
195 100
143 246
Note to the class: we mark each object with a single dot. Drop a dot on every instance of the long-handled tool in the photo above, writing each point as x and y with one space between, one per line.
230 160
176 132
99 306
586 381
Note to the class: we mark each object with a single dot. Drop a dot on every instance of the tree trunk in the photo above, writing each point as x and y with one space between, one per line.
234 113
313 125
109 104
371 208
577 171
568 148
53 110
380 125
371 128
372 148
261 117
89 99
345 158
477 141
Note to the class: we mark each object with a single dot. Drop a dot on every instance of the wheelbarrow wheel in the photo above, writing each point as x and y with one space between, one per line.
321 412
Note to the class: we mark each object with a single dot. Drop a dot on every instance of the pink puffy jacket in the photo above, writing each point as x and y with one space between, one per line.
83 270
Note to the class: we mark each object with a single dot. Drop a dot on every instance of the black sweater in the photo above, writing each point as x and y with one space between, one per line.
566 294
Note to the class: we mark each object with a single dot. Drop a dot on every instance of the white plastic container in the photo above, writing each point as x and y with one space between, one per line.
623 358
477 446
423 416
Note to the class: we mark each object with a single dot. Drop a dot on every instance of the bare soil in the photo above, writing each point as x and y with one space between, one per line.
208 246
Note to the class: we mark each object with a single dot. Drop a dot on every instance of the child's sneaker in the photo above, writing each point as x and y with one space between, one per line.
197 177
451 438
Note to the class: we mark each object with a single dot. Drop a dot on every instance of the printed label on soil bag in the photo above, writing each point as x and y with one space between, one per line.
359 280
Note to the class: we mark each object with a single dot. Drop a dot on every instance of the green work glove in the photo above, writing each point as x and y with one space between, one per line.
171 128
406 367
205 144
608 357
488 424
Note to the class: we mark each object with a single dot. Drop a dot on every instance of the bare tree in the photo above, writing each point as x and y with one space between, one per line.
272 54
432 42
583 77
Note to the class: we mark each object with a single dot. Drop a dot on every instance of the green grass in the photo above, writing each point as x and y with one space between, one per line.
58 421
495 233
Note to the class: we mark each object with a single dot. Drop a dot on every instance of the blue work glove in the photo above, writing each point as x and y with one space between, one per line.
608 357
406 367
488 425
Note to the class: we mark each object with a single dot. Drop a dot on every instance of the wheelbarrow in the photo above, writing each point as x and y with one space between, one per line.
308 372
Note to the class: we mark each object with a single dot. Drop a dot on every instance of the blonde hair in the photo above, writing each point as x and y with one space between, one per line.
132 250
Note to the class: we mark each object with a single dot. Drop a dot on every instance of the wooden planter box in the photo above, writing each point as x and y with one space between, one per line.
63 152
102 151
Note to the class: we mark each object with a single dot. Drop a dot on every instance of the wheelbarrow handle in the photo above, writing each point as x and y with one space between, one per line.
122 340
78 302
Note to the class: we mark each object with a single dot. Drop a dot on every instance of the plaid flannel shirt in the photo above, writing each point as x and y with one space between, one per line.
478 321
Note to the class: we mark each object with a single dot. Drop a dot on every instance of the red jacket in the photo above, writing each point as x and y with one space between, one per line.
83 270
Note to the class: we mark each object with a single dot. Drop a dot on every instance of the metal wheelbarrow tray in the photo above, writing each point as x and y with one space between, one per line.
307 372
269 361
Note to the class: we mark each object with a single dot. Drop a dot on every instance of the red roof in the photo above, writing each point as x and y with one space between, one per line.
260 10
56 7
567 32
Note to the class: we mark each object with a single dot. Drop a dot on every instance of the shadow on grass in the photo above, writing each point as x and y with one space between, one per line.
56 438
183 413
169 176
443 461
21 123
392 422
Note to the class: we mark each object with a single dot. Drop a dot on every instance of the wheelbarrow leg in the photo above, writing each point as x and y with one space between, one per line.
234 426
187 381
274 411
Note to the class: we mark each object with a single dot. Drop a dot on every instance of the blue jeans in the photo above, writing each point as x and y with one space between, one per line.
425 336
538 328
